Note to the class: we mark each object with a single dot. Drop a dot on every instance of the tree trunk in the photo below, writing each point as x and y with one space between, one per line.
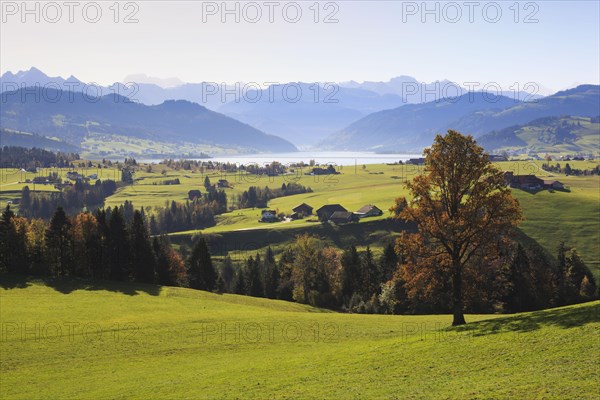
457 304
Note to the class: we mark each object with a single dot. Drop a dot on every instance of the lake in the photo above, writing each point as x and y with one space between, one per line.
320 157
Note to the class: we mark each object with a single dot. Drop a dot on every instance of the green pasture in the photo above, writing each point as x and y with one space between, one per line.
64 339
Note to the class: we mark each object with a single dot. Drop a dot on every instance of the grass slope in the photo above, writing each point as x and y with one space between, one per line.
567 135
150 342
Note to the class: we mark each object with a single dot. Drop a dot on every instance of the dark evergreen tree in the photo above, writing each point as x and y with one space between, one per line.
126 176
351 272
153 226
389 262
252 197
127 210
519 296
562 283
227 272
220 285
370 275
270 274
26 198
568 169
285 287
576 273
103 267
118 247
238 285
60 244
13 253
252 275
143 261
201 270
162 262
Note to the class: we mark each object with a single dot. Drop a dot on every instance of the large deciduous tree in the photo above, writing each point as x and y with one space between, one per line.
463 210
86 245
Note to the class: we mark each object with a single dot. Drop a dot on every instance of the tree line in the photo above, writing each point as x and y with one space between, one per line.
271 169
174 217
568 170
101 245
21 157
83 196
259 197
115 244
309 272
72 199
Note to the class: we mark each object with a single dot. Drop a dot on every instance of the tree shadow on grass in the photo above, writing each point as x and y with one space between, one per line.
565 317
68 285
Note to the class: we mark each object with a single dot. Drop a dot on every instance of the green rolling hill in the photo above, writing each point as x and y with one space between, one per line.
66 339
75 118
562 134
22 139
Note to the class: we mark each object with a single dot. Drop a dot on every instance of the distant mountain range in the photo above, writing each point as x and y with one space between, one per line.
415 92
412 127
368 116
73 118
302 113
33 76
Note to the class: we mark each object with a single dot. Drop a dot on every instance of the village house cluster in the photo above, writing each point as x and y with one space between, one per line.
333 213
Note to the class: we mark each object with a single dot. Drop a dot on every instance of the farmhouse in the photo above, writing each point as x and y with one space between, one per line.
342 217
301 211
525 182
194 194
325 212
75 176
368 211
268 216
416 161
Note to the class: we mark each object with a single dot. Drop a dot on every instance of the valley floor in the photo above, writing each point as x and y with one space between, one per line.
70 340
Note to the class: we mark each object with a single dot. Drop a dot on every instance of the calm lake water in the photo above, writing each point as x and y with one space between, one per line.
323 158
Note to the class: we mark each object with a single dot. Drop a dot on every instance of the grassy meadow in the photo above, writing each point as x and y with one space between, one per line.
144 341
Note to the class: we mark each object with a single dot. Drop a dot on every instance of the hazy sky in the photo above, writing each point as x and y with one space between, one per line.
369 41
